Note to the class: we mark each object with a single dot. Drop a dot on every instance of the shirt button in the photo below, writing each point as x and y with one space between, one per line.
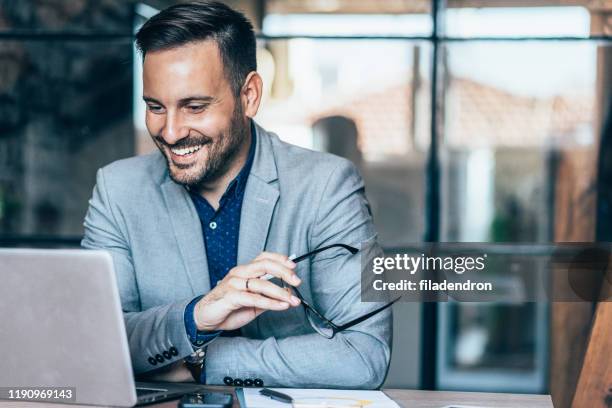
212 225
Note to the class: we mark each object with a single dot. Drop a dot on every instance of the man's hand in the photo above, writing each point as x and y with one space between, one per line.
234 302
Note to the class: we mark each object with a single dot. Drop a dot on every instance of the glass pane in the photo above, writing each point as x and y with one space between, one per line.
490 337
470 21
510 110
348 24
498 348
347 17
65 111
374 111
520 135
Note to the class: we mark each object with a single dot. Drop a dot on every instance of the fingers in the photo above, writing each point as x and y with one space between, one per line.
237 283
264 288
262 267
273 291
271 264
248 299
232 304
273 256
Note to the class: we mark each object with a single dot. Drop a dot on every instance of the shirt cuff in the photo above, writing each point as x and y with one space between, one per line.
197 338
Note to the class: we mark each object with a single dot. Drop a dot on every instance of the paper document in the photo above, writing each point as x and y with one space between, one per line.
315 398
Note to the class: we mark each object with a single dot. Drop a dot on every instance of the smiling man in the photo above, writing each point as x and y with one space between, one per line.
200 230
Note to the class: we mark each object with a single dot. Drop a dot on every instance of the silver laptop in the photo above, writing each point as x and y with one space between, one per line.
61 325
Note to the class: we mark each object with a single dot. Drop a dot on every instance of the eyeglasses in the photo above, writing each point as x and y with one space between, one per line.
320 323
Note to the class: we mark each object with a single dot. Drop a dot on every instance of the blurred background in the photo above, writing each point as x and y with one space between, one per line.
470 121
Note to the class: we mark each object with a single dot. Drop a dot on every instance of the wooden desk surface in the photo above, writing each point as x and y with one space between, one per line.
437 399
405 398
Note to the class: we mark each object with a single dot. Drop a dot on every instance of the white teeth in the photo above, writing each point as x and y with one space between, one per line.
185 151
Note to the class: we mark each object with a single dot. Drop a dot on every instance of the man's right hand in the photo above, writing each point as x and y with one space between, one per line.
233 303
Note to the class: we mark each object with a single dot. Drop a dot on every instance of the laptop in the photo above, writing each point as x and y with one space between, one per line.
62 326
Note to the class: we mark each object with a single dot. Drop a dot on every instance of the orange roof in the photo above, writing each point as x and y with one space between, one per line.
476 115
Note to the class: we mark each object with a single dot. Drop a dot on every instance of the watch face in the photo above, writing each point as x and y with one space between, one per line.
197 357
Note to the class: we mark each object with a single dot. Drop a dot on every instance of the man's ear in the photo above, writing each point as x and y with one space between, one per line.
250 96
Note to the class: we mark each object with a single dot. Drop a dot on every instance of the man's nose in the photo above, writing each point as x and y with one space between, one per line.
174 129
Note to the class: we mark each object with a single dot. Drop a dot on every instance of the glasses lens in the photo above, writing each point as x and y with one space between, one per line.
319 324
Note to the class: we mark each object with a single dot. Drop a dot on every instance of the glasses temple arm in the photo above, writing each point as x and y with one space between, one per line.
367 316
349 248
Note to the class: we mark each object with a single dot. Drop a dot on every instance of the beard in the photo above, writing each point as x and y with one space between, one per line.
220 153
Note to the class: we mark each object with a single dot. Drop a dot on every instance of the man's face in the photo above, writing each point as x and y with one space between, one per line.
192 114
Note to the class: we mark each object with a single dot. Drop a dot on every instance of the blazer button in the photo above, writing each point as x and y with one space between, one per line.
248 382
159 358
238 382
173 351
152 361
228 381
167 355
258 382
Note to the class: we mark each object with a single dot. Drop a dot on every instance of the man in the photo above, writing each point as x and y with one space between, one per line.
196 229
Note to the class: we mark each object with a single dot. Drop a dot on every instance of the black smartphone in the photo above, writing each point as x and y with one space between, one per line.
206 399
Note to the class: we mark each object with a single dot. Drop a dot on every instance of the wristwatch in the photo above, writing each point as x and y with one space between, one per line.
195 363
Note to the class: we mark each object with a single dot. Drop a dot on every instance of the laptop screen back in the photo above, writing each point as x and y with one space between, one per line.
62 325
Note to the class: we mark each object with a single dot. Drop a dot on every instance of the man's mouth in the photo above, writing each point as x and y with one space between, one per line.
185 151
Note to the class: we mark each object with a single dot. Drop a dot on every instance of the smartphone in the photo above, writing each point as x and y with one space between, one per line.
206 399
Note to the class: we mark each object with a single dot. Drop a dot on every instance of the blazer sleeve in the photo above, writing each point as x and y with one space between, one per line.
157 336
355 358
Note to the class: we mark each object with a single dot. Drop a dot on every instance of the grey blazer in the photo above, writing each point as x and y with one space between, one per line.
295 200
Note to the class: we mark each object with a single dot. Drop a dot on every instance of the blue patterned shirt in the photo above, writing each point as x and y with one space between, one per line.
221 228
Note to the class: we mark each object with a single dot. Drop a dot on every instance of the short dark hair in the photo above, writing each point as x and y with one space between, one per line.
203 20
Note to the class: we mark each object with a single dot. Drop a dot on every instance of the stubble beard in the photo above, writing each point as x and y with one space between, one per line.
220 156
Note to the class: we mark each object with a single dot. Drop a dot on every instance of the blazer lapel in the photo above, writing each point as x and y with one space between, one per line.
188 234
260 197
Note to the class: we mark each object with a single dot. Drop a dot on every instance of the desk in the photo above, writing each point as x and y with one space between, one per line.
405 398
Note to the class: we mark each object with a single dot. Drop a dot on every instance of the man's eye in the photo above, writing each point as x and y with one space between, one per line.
196 108
155 108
